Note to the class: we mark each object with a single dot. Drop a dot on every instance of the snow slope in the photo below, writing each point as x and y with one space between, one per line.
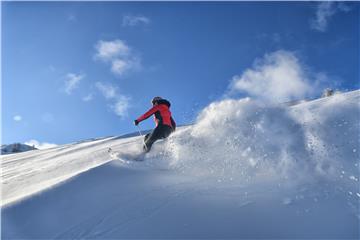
244 170
24 174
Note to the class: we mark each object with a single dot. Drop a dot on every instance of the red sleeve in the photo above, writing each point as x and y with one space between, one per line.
148 113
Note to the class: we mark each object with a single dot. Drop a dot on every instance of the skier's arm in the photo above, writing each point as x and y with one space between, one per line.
148 114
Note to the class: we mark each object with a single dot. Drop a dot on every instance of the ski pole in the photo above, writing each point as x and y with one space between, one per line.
142 138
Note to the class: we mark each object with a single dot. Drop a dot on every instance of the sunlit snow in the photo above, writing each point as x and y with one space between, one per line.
245 169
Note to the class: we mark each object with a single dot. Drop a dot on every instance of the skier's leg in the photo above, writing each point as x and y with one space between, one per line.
146 137
160 132
166 131
155 135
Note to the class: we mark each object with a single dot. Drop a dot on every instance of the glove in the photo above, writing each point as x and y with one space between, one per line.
136 122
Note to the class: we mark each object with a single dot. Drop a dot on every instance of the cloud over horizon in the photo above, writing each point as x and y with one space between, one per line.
40 145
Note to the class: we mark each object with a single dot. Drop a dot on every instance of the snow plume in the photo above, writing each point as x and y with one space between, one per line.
233 138
332 132
278 77
249 140
259 139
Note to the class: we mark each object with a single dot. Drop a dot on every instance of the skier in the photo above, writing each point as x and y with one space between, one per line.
165 124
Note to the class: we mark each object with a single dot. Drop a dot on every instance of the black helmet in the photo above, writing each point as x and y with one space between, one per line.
155 99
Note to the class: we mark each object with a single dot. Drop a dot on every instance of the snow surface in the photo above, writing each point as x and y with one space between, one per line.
243 170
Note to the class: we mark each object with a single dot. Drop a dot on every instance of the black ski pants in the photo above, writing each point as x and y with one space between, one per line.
160 132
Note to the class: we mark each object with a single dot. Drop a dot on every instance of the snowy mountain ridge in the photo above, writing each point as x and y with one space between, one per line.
15 148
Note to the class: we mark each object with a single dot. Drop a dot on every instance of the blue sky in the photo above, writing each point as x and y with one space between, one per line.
78 70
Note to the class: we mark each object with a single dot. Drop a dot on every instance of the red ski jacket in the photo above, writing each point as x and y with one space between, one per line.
162 114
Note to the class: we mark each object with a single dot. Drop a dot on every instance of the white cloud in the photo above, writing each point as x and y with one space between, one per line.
17 118
278 77
120 103
72 82
87 98
110 50
121 106
324 11
121 57
109 91
119 66
134 20
39 145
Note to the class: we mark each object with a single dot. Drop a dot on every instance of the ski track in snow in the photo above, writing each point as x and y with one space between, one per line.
24 174
284 172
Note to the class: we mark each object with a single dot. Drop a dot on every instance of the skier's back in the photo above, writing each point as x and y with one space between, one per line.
165 124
